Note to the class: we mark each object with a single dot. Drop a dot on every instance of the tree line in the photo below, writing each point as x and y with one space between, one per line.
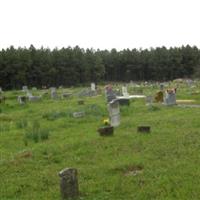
77 66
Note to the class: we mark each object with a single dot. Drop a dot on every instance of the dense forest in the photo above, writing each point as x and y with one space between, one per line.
77 66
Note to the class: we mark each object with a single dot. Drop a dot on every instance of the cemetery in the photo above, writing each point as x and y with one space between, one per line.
54 141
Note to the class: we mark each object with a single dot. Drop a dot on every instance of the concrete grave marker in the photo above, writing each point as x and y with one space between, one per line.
161 86
149 100
34 98
170 97
53 93
78 114
114 113
93 87
124 91
25 88
22 100
69 183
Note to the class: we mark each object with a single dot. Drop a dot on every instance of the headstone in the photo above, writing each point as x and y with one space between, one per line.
124 91
162 86
24 88
34 98
69 183
114 113
22 100
170 97
54 93
149 100
109 93
93 87
78 114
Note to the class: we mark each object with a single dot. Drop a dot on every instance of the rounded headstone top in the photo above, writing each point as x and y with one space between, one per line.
67 172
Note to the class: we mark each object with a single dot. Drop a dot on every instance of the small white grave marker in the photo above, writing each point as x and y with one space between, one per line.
93 87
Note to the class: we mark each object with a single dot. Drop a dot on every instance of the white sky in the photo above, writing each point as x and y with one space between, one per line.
103 24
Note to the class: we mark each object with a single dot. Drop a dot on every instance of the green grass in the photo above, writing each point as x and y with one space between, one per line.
39 139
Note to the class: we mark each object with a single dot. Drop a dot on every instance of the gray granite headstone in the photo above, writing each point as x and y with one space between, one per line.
170 98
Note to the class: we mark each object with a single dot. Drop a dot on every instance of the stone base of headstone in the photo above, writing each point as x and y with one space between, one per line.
69 183
124 102
143 129
106 131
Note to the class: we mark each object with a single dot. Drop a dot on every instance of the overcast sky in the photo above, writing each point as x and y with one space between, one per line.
103 24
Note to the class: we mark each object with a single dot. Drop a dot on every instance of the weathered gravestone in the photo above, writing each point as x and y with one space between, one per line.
34 98
161 86
170 97
93 87
53 93
69 183
109 93
22 100
25 88
78 114
149 100
114 113
124 91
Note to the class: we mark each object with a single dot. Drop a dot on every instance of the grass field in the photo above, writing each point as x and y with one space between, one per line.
161 165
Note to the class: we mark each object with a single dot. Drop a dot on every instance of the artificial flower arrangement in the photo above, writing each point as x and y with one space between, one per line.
106 129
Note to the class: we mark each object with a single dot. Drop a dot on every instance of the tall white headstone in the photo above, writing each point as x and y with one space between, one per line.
124 91
114 113
93 87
